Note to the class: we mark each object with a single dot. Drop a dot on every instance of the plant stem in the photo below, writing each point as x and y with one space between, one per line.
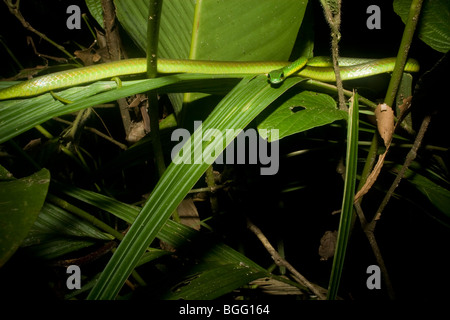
400 62
403 50
154 16
409 159
210 181
282 262
332 11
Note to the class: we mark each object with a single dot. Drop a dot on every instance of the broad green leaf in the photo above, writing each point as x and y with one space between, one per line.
217 30
224 30
302 112
20 203
248 30
177 20
433 28
234 30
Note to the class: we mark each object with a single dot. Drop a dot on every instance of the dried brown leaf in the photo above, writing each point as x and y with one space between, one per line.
385 122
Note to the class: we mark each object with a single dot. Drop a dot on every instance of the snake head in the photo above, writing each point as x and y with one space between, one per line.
276 76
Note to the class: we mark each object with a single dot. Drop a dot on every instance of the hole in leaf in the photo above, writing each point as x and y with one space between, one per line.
295 109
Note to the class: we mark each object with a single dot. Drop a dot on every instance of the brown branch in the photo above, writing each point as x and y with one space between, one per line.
111 31
211 182
409 159
369 228
332 12
369 232
88 258
282 262
113 45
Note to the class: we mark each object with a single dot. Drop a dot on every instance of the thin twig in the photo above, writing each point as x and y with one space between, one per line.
369 228
95 131
369 232
409 159
332 11
282 262
211 182
14 9
207 189
113 44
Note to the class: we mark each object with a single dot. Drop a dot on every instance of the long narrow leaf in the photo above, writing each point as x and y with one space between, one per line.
18 116
235 111
347 203
173 233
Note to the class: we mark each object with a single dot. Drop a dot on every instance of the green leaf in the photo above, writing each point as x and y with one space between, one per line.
234 112
216 30
232 30
20 203
246 30
178 235
18 116
177 18
347 199
5 174
54 221
302 112
173 233
437 195
96 10
57 247
236 30
214 282
433 28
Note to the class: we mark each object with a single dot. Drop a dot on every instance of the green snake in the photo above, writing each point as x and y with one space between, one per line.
352 68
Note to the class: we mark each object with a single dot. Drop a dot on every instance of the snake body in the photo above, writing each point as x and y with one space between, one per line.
352 69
